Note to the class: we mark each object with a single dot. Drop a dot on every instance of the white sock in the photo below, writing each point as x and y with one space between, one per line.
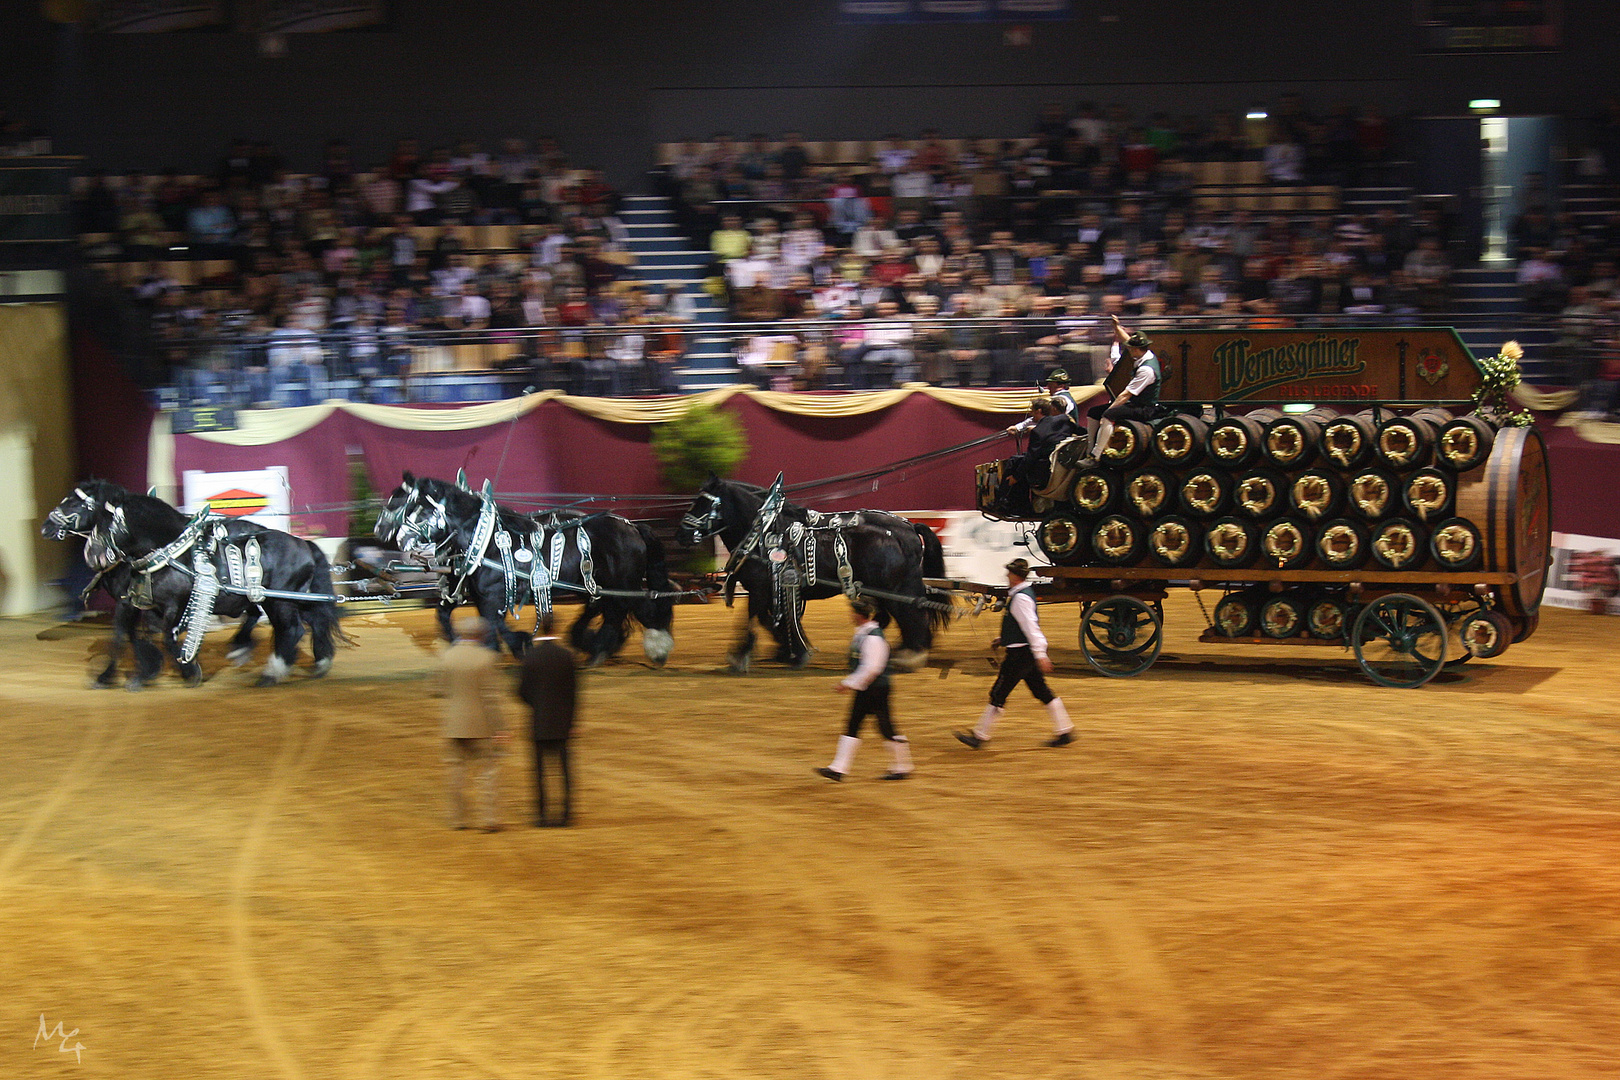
987 722
1105 432
1060 716
845 755
902 753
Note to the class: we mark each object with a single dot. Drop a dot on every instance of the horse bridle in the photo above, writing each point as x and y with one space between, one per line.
69 524
708 523
419 524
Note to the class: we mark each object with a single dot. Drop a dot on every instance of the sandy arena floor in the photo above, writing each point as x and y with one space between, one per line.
1251 864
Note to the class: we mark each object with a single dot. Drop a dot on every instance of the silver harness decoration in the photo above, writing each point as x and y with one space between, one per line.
204 591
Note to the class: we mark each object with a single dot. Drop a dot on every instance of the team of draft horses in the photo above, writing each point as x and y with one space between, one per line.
179 574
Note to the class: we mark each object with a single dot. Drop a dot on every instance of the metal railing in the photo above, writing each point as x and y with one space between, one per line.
393 365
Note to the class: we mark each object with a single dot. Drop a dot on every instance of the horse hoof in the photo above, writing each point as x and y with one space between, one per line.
801 661
597 659
319 668
240 655
910 660
104 682
737 664
193 680
133 685
266 680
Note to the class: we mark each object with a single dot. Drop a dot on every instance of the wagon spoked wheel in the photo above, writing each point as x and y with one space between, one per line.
1400 641
1120 636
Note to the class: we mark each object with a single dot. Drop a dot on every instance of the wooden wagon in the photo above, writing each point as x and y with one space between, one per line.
1414 531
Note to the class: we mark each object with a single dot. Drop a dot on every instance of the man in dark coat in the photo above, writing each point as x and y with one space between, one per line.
548 686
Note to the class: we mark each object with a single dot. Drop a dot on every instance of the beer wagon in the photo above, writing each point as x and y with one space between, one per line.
1353 488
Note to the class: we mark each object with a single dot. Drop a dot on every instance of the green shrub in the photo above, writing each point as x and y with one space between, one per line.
705 440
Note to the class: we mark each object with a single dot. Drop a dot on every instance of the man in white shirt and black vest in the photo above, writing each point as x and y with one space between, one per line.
1138 400
868 679
1026 663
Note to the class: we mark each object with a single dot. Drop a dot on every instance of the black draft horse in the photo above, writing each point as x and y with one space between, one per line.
430 518
122 527
886 552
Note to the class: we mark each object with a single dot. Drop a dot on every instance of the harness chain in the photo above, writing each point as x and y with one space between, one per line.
204 590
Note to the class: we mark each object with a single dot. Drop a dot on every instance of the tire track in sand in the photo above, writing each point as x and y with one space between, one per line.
100 747
298 749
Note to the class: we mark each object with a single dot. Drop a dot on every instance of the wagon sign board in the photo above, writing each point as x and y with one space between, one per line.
1348 366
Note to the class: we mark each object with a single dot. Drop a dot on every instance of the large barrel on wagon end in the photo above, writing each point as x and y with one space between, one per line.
1509 500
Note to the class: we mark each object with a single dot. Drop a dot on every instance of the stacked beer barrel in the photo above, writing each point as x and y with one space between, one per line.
1395 494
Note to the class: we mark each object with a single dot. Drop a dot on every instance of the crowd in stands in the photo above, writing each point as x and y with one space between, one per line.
949 261
1002 255
435 259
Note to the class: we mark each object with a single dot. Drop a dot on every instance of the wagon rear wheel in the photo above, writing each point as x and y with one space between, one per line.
1120 636
1400 641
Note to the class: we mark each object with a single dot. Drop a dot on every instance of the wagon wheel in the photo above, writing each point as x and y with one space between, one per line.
1120 636
1400 640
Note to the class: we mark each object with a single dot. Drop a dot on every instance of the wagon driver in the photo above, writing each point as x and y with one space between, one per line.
1140 398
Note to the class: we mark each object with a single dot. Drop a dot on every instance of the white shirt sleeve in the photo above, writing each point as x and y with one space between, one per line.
874 658
1026 424
1023 610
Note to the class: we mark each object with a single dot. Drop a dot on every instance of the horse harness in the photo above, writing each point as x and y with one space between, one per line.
789 553
513 553
203 536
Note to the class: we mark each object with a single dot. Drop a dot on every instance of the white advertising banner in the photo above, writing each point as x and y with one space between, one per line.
976 548
1585 573
260 495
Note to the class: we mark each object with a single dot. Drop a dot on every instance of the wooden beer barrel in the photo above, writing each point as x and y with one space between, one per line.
1508 499
1204 492
1429 493
1399 544
1327 617
1095 491
1232 543
1237 440
1292 439
1260 493
1285 544
1117 540
1348 441
1282 616
1317 494
1179 440
1062 537
1176 541
1150 492
1238 613
1406 442
1128 445
1373 493
1342 544
1465 442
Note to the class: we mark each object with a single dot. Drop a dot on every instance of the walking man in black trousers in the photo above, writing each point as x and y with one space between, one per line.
549 686
1026 662
868 679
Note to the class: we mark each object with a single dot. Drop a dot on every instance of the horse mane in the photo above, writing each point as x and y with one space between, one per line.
142 513
462 506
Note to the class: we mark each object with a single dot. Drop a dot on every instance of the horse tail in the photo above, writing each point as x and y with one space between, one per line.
321 616
933 560
940 607
655 612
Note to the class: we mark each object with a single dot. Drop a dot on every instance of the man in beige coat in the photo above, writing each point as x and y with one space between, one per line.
474 730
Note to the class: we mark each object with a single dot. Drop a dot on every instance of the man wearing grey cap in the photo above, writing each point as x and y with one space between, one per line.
1026 662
